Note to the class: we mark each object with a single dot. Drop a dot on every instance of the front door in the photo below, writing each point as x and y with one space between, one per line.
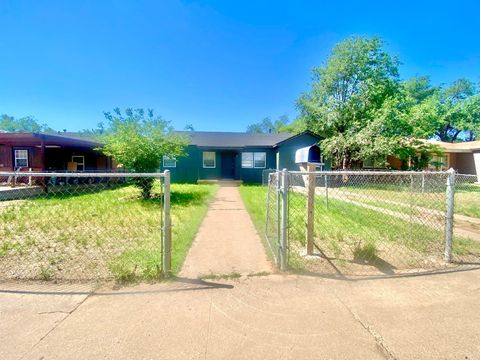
228 165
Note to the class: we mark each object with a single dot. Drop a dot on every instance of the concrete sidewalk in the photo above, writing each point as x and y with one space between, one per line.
268 317
227 241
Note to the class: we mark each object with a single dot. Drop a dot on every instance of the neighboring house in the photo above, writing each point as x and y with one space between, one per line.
236 156
49 152
464 157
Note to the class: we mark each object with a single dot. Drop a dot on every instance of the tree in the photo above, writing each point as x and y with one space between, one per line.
448 113
354 102
418 89
268 125
457 111
95 133
25 124
138 140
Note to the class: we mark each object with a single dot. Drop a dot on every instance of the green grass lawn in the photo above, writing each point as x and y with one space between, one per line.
98 234
254 198
467 197
350 233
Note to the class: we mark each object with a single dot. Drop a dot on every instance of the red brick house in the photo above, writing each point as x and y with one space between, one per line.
50 152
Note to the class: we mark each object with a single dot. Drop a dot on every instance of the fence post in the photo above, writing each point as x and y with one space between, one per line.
310 208
423 181
167 230
449 214
326 189
284 220
278 185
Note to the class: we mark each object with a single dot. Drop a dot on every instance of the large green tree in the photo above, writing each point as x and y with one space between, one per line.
449 113
138 140
457 111
24 124
355 102
267 125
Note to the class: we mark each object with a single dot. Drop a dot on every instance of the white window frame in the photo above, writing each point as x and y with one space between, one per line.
171 159
244 154
20 158
79 163
253 155
214 160
443 159
264 160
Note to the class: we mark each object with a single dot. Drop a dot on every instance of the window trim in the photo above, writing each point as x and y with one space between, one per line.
264 161
15 158
253 160
79 163
214 159
247 167
442 160
169 158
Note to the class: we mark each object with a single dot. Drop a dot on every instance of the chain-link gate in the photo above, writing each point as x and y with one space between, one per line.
84 226
361 222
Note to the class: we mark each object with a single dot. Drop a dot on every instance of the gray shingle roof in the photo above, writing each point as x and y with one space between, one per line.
234 139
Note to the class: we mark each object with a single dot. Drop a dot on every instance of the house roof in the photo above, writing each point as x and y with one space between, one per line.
235 139
29 138
213 139
460 147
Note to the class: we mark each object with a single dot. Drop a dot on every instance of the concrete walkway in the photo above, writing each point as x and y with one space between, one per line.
227 241
261 317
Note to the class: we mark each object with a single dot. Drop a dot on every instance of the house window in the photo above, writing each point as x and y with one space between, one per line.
438 162
374 163
209 159
257 160
247 160
80 160
169 162
21 158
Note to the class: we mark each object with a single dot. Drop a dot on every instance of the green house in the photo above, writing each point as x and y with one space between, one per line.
237 156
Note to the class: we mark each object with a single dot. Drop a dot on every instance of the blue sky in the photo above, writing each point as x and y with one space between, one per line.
219 65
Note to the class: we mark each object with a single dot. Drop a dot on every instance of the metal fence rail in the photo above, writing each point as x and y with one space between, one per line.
375 222
84 226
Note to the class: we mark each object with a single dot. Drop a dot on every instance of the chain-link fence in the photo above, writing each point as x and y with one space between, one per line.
84 226
266 176
273 216
374 222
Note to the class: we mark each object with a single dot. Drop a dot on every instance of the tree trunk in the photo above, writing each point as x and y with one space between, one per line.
455 136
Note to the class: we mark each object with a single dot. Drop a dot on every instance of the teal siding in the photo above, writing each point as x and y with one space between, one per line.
187 166
287 149
190 166
253 175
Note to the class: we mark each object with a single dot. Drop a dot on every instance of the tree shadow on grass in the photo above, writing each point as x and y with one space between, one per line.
62 192
186 198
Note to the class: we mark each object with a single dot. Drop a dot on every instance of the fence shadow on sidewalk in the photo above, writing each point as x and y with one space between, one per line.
180 284
339 275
